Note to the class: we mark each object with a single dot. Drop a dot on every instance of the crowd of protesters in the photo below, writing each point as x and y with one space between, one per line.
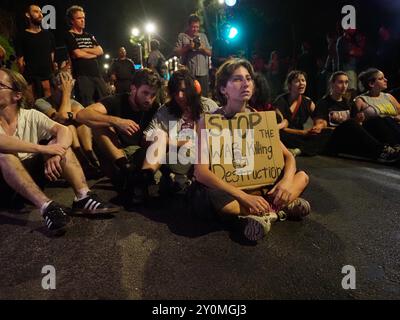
59 121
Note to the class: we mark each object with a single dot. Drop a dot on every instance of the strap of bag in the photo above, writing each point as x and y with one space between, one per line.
298 104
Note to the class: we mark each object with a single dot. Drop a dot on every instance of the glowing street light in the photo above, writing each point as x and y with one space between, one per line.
221 1
230 3
107 56
135 32
106 66
150 27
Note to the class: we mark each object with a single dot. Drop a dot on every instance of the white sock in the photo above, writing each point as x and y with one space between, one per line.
81 194
45 206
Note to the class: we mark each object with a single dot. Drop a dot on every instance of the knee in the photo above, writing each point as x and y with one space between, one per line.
7 159
304 178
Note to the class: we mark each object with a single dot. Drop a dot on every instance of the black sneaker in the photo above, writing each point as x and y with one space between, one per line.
92 205
55 218
389 155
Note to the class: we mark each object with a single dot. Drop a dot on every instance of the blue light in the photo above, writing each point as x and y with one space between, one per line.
230 3
233 32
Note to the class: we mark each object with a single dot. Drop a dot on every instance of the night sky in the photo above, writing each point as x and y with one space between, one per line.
284 24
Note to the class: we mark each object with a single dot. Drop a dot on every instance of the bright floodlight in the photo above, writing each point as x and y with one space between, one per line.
150 27
135 32
106 66
221 1
230 3
233 33
107 56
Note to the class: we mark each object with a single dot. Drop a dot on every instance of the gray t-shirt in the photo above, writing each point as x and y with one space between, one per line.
44 105
195 61
163 118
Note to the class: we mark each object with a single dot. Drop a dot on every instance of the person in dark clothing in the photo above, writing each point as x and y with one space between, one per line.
349 137
35 54
122 71
296 109
84 51
118 123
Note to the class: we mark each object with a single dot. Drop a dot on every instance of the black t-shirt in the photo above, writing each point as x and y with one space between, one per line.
80 66
282 103
327 105
119 106
36 48
123 69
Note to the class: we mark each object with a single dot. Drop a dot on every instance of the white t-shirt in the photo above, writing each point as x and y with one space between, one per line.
33 126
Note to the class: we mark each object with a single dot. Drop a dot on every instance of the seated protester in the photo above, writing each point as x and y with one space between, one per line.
210 195
349 137
296 108
177 117
118 123
261 98
63 109
20 132
377 108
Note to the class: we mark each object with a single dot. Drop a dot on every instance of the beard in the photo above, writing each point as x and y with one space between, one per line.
37 22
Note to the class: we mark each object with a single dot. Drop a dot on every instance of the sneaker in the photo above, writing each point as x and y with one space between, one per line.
256 227
296 210
55 218
295 152
92 205
389 155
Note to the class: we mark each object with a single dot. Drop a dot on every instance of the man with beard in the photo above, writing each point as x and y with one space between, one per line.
84 51
35 52
117 124
122 71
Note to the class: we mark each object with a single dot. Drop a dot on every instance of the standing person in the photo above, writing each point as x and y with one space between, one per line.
84 51
35 53
210 195
349 52
156 60
24 162
122 71
194 49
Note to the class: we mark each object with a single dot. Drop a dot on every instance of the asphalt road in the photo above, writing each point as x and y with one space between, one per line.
159 252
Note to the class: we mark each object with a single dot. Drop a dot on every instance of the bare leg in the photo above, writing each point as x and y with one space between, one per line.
299 184
73 173
46 88
108 143
19 179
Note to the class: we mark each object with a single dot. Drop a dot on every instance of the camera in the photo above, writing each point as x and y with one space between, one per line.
197 42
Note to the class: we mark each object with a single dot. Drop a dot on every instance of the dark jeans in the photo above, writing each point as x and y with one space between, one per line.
386 130
352 138
90 89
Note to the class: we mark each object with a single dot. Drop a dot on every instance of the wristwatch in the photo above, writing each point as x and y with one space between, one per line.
70 116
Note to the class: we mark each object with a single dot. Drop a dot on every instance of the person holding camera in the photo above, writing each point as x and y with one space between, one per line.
194 50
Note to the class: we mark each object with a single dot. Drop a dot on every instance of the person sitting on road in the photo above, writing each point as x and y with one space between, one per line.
377 109
118 123
63 109
209 194
349 137
174 124
22 157
296 109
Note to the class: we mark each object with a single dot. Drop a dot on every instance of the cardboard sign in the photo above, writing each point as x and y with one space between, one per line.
245 150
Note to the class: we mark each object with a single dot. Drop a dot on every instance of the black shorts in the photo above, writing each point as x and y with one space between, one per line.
35 167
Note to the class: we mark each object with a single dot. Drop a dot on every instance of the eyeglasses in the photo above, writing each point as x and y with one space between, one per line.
4 86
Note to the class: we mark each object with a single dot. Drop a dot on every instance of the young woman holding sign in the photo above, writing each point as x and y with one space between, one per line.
212 196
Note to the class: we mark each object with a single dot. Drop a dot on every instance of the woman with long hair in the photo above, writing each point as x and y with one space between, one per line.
212 197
